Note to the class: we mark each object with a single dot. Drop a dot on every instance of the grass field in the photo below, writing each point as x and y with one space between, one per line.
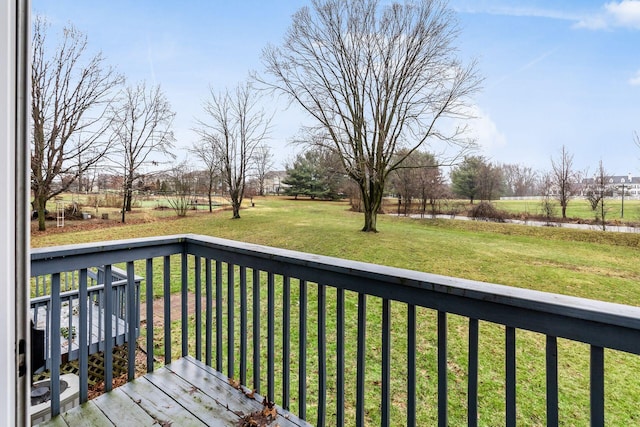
589 264
577 208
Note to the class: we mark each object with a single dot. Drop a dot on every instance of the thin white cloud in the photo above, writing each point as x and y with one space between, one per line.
519 11
614 14
625 14
635 80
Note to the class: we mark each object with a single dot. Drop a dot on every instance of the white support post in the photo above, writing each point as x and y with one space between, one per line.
14 212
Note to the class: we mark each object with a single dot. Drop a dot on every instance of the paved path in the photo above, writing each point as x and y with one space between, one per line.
176 308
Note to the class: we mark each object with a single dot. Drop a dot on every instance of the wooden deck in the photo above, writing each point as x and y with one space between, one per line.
184 393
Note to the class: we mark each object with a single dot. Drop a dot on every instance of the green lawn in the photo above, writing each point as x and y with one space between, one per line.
589 264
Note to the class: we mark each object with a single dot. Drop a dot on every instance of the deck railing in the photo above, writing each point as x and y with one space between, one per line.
310 322
69 310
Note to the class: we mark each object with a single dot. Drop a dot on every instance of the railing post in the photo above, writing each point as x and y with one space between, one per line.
108 330
149 325
552 380
472 386
167 308
184 304
243 325
302 357
340 357
54 332
597 386
361 358
271 337
132 309
256 329
198 307
83 350
231 348
218 316
286 344
209 311
386 362
322 355
411 365
442 369
510 354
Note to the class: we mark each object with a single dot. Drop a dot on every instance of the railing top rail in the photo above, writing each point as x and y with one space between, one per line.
597 322
71 257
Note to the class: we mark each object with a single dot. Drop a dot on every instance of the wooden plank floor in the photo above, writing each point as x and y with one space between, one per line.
184 393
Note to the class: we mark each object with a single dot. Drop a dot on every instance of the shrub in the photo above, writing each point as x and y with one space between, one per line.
487 212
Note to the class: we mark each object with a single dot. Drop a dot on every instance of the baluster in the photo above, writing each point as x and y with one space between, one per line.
340 356
149 298
302 357
198 310
411 365
286 344
230 320
108 329
442 369
597 385
167 308
386 361
552 380
510 376
243 325
472 386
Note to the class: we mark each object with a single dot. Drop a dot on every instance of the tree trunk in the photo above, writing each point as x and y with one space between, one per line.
371 202
42 204
236 209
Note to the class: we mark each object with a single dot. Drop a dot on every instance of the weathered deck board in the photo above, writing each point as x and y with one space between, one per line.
118 407
164 407
186 392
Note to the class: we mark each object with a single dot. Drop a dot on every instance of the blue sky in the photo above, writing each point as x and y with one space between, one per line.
556 73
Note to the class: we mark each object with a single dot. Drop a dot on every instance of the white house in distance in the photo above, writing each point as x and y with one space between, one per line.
619 184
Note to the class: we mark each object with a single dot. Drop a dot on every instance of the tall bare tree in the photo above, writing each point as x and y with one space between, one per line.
71 90
236 122
207 151
262 163
142 127
596 193
564 179
376 79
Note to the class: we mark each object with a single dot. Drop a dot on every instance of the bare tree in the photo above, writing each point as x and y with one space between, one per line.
207 151
596 194
519 180
564 179
70 94
376 79
262 164
142 128
182 185
236 122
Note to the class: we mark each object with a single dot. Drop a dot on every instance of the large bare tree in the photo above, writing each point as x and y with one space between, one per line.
375 79
564 179
71 90
142 127
238 124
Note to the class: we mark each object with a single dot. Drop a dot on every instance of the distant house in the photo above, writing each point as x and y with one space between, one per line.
273 182
616 185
